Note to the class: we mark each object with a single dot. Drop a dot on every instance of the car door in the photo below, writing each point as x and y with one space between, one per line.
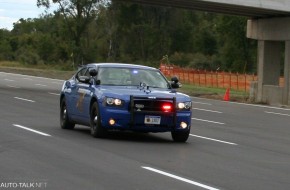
83 94
77 95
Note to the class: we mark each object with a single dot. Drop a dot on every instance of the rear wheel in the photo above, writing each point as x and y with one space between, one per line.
180 136
96 128
64 120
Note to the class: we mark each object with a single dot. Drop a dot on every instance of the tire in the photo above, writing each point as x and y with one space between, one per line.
180 136
96 128
65 123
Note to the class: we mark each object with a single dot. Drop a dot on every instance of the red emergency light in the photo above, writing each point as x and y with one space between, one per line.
166 107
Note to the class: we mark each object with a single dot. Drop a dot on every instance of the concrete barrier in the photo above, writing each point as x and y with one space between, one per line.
272 95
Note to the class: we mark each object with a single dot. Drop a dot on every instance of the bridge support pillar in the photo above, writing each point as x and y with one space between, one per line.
286 90
270 33
269 55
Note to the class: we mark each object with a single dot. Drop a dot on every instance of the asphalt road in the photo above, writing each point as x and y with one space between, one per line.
232 146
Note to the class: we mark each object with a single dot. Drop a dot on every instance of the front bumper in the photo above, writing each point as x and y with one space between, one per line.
134 120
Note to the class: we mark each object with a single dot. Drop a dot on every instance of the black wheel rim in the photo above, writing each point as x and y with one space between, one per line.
63 114
94 124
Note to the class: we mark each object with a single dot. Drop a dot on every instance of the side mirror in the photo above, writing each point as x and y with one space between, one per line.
84 79
68 84
174 79
175 82
93 72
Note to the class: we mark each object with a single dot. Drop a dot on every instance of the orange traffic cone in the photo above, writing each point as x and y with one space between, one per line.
227 95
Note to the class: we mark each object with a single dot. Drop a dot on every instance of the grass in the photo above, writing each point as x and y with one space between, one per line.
214 93
57 72
36 70
59 67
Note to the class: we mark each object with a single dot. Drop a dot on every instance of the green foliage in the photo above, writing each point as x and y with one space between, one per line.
195 60
236 52
82 31
76 15
5 46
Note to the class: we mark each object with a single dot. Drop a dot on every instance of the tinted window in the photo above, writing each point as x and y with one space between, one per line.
82 72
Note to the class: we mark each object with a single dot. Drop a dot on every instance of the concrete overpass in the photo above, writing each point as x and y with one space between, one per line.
269 23
250 8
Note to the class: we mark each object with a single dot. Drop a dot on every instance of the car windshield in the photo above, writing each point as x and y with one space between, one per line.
131 77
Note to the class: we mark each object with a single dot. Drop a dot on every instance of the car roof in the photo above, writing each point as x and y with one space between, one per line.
125 65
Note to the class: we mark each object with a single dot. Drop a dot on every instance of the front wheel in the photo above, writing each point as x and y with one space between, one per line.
180 136
64 120
96 129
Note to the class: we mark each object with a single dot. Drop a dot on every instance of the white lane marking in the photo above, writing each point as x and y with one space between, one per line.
260 106
277 113
208 121
201 103
211 139
40 85
9 80
179 178
57 82
26 78
32 130
245 104
31 76
24 99
12 86
207 110
53 93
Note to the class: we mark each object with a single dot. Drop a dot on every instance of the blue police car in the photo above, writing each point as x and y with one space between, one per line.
113 96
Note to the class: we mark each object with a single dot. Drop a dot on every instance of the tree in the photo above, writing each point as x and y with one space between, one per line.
5 47
98 31
236 51
77 14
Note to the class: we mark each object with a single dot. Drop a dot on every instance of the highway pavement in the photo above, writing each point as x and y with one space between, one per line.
232 146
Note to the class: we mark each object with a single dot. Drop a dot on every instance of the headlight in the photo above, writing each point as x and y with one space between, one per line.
118 102
113 102
110 101
184 105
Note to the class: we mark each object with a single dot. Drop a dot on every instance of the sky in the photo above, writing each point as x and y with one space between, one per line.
12 10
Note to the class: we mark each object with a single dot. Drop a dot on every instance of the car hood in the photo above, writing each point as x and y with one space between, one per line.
124 92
